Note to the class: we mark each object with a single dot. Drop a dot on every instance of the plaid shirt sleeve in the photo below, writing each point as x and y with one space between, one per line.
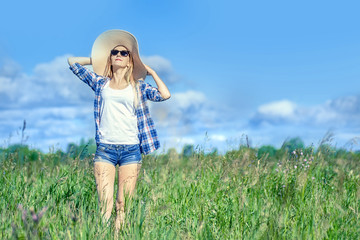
85 75
152 93
148 137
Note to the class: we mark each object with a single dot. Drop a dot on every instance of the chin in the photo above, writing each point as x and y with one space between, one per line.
119 65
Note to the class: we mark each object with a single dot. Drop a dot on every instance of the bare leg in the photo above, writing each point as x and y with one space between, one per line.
127 180
105 177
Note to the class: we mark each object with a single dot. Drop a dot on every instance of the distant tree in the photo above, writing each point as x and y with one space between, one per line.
267 149
18 147
83 150
172 154
22 153
171 151
72 149
293 144
188 150
90 146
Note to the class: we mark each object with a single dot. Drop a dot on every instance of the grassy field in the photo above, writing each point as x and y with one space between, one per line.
302 194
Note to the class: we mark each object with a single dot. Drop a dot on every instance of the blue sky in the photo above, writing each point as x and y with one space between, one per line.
266 69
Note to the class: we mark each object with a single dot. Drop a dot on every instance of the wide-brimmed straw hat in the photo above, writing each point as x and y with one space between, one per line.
106 42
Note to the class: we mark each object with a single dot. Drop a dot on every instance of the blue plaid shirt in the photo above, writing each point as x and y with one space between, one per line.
147 134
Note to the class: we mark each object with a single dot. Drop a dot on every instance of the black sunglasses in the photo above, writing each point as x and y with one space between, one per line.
123 53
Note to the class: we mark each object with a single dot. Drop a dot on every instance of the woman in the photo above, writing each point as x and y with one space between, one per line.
124 128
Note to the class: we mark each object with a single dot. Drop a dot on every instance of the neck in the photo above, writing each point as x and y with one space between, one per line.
118 75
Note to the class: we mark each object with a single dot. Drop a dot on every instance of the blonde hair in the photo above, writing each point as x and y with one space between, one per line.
129 78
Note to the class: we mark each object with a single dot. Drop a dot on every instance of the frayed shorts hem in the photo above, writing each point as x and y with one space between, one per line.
123 164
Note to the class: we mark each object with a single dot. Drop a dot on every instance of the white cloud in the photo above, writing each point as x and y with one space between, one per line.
162 66
44 125
188 113
9 68
51 84
189 98
344 111
218 137
283 109
274 122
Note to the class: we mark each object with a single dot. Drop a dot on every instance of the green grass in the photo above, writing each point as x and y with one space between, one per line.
236 196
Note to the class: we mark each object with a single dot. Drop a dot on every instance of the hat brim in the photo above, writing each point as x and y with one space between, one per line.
110 39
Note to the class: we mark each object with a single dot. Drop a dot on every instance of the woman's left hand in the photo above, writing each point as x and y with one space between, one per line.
164 91
149 70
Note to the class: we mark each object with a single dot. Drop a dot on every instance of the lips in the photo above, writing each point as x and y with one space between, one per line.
118 59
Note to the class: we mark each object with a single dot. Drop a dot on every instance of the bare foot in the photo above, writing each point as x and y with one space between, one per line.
119 221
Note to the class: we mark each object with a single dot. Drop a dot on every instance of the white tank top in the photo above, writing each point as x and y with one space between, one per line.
118 120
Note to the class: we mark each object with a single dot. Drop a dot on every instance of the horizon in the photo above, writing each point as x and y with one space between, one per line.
206 146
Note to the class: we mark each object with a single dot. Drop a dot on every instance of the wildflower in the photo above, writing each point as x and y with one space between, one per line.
283 186
33 215
295 167
313 178
24 212
294 152
305 160
277 170
301 153
36 217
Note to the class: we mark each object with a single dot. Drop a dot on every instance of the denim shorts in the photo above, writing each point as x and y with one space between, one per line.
118 154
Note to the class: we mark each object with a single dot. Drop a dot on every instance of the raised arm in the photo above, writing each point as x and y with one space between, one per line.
83 73
164 91
81 60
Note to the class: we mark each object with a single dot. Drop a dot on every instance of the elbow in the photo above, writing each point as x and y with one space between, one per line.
70 62
166 96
